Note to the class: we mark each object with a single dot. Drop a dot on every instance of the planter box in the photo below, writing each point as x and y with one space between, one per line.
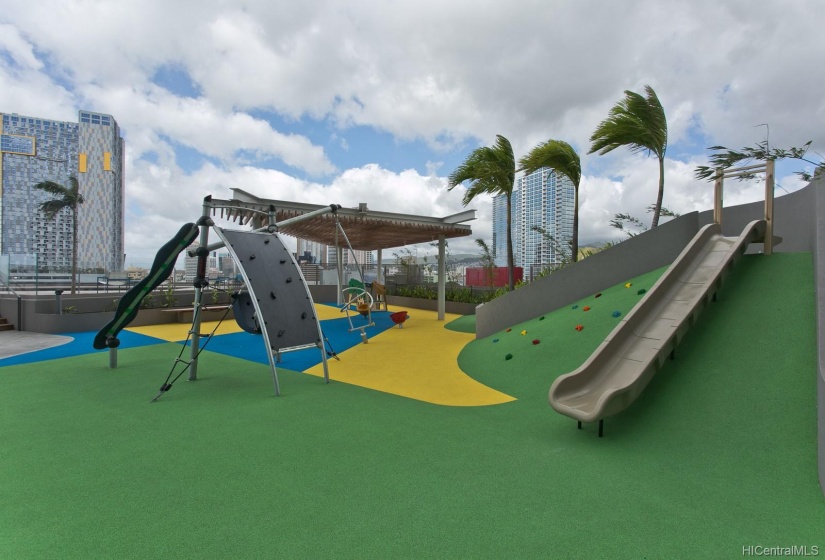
432 305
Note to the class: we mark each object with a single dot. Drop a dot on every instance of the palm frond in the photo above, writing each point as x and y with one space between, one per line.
488 170
52 188
726 158
637 122
556 154
52 207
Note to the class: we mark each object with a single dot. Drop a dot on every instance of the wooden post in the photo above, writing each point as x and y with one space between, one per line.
717 197
769 186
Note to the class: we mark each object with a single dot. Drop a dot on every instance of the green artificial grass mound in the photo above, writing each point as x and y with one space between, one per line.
551 344
465 324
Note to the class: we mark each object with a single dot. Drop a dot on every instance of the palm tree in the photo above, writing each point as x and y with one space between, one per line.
563 158
490 170
67 197
639 123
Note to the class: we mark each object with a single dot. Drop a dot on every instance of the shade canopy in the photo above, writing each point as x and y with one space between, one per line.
366 229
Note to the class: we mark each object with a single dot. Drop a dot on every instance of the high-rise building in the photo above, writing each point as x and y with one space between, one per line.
543 201
499 246
34 149
325 254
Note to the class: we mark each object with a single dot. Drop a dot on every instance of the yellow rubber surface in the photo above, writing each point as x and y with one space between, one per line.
329 312
418 361
176 332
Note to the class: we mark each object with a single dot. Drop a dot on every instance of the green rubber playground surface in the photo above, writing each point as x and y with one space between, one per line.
718 453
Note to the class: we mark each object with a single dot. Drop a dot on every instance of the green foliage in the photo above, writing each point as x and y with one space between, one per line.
420 292
636 122
490 170
564 251
623 221
725 158
169 299
556 154
487 261
459 294
560 156
67 197
639 123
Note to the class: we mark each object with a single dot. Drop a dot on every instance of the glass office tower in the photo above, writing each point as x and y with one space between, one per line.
544 200
34 149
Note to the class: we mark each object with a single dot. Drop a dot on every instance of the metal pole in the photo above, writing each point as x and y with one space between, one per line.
200 282
769 185
442 277
717 198
379 274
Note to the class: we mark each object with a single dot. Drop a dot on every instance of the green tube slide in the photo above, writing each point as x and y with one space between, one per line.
129 304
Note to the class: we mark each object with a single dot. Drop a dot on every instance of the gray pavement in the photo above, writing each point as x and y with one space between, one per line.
13 343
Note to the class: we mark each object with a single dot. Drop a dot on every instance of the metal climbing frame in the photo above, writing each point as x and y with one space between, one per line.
277 289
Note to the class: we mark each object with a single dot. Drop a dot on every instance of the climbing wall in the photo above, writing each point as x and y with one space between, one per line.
278 305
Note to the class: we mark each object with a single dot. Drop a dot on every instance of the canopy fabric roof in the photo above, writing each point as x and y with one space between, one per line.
366 229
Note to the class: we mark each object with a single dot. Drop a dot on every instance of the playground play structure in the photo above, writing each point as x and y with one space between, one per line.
276 303
620 368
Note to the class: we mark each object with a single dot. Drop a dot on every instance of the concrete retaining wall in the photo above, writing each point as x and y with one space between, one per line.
643 253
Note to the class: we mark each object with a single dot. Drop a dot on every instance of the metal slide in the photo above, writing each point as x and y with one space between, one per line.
620 368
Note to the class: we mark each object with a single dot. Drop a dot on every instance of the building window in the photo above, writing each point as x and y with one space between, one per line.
107 161
81 163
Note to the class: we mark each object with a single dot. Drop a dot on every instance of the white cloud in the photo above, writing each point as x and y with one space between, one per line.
153 218
449 73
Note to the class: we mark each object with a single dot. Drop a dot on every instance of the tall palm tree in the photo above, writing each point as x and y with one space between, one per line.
639 123
561 156
67 197
490 170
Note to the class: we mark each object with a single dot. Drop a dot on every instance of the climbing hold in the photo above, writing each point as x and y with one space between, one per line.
576 306
272 295
266 241
628 285
508 330
541 318
579 327
640 292
617 313
304 315
508 357
599 294
495 340
586 308
536 341
283 261
281 333
523 332
251 257
289 280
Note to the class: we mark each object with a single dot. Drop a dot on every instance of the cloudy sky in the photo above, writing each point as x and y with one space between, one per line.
326 101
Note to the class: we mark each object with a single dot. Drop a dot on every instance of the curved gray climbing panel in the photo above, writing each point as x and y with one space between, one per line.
278 304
